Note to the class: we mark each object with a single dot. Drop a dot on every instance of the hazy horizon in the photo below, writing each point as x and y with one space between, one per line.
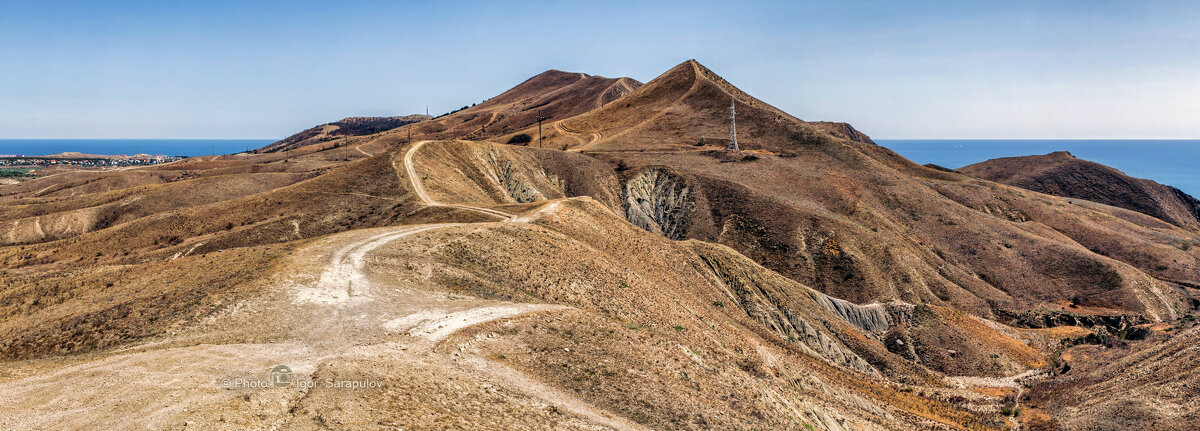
927 70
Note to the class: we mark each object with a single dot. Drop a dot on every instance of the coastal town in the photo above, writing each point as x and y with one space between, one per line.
84 160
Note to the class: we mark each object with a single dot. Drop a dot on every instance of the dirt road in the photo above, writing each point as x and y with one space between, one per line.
331 312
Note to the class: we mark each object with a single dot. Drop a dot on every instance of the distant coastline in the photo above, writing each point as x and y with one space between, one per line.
112 147
1170 162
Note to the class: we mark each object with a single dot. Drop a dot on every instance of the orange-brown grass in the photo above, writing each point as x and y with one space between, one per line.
87 308
1005 344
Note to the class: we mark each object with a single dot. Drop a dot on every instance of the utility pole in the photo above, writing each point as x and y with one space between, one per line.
409 135
733 144
540 118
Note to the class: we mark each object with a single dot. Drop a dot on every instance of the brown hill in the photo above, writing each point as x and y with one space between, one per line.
553 94
1062 174
352 126
859 222
649 278
686 105
572 305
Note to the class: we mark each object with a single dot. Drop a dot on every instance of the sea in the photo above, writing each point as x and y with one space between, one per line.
1171 162
166 147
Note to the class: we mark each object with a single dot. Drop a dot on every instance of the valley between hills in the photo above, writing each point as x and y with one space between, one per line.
615 267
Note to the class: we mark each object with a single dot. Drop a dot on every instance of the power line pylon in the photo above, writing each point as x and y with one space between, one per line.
733 144
540 118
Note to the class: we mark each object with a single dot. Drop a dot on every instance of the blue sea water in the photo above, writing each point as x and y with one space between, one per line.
166 147
1171 162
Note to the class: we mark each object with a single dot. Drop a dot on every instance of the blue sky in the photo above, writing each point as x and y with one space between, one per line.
959 69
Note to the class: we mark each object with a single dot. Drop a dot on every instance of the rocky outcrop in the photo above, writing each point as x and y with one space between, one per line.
873 318
506 175
771 302
1115 323
660 202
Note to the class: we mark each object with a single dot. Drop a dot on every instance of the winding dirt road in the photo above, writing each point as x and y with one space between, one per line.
419 187
594 136
331 308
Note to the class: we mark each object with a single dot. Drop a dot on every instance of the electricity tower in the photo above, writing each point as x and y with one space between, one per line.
733 145
540 118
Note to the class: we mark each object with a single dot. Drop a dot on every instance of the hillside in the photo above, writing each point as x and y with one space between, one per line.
546 294
1152 385
553 94
629 273
1062 174
353 126
859 222
685 105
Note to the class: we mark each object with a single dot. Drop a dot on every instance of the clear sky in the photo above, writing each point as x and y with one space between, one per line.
894 69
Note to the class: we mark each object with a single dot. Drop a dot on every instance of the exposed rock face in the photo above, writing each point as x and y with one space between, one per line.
660 202
1048 319
517 187
792 317
873 318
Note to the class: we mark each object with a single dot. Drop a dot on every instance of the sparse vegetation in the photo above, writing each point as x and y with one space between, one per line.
16 172
154 264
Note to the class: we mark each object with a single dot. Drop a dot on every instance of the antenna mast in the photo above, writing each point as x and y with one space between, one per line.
733 145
